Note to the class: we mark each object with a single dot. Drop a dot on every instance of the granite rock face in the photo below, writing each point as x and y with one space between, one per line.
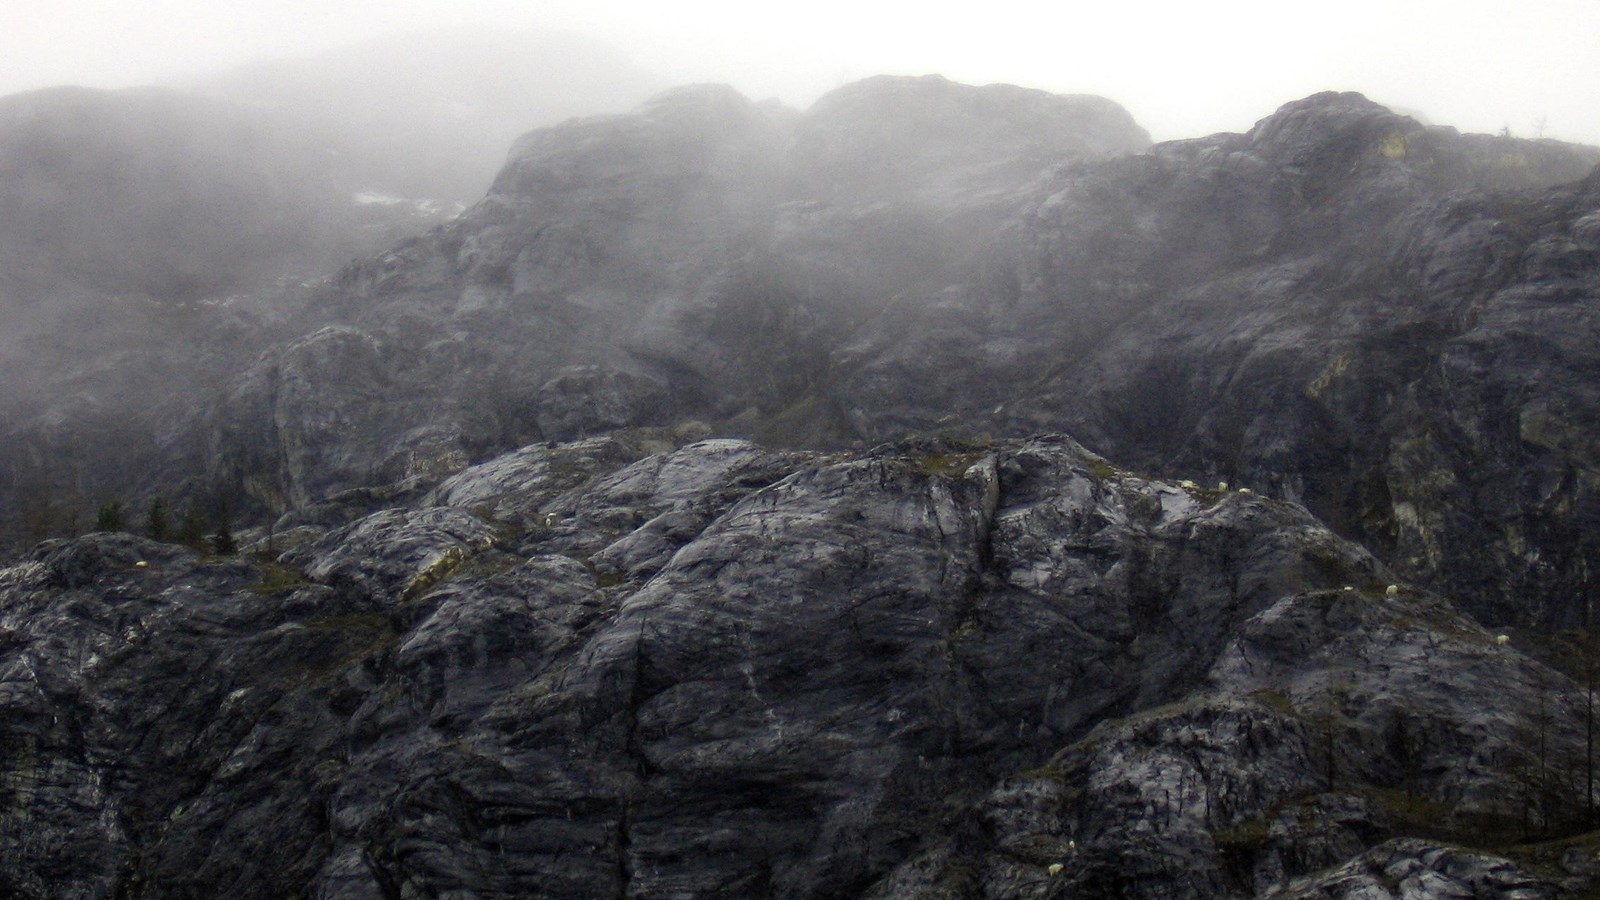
1391 323
1387 343
932 668
698 259
628 660
152 239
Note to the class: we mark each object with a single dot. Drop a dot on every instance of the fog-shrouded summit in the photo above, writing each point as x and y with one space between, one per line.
147 234
1202 306
430 114
1181 68
283 169
685 260
1311 307
153 193
694 515
944 144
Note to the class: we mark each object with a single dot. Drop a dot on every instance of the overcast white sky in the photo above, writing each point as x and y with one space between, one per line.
1182 69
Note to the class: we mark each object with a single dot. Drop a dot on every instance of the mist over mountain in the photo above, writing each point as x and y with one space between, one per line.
429 115
1281 309
125 217
288 167
696 513
143 230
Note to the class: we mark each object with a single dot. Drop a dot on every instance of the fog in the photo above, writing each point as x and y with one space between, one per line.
1182 69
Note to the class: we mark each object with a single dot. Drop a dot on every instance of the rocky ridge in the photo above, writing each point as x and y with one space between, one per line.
153 240
927 669
1389 322
623 660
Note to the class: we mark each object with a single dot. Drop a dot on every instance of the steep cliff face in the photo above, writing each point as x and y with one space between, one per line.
1390 352
152 239
144 238
999 670
1391 323
1341 306
624 660
700 258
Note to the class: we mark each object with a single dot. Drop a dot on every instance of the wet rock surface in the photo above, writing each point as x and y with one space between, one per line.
626 660
1391 323
929 669
698 259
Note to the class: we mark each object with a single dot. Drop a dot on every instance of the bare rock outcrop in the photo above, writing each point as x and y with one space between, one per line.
997 670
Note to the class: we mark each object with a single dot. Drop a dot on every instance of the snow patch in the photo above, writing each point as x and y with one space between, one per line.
373 198
424 206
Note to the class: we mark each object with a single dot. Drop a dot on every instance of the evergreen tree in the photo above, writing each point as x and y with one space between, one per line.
222 542
192 527
155 523
109 518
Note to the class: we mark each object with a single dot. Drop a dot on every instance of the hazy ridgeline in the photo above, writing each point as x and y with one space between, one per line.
684 496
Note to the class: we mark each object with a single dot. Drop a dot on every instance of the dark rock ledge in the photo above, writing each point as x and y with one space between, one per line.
931 669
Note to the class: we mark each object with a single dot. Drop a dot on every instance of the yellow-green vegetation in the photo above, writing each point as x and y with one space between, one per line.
1511 161
360 634
506 534
20 777
1103 470
602 579
1544 857
1156 716
1325 379
1047 772
808 422
277 578
1414 812
437 571
536 690
1207 496
1325 556
1393 146
1243 839
956 879
374 622
975 443
1443 625
944 465
486 565
1575 652
965 628
1425 817
1276 700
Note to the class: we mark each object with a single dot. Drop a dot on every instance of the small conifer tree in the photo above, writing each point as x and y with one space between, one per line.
222 540
192 527
155 523
109 518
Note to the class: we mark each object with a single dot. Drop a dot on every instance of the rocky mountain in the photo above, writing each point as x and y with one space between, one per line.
928 669
1391 323
693 517
126 220
153 240
627 271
